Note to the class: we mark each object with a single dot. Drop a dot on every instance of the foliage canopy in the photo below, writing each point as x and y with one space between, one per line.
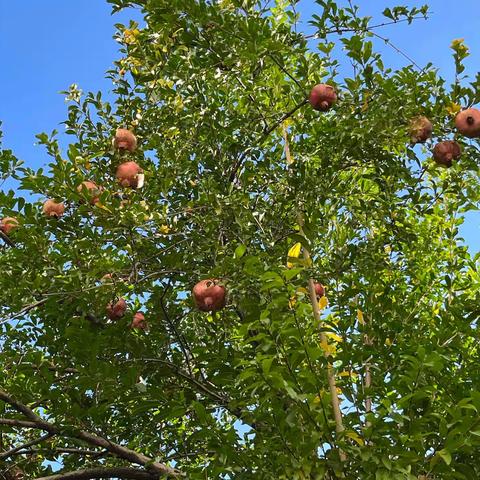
238 170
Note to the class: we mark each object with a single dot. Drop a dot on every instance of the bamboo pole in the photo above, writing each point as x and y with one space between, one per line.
337 413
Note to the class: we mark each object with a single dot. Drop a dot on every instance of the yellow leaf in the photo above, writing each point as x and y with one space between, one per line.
360 319
164 229
366 101
388 342
323 302
302 290
453 108
355 437
103 207
292 301
294 252
307 262
328 349
457 42
347 373
334 337
318 398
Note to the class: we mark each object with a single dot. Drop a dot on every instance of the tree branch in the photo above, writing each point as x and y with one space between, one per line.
35 441
61 450
115 472
24 310
5 238
13 422
265 134
118 450
185 375
340 30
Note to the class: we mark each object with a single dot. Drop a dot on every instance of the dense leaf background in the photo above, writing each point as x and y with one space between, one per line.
238 169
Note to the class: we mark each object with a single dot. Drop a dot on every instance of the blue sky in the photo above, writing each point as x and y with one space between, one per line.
47 45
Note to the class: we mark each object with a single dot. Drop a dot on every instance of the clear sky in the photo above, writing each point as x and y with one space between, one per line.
46 45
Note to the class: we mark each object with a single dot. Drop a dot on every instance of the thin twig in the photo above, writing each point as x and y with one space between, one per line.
35 441
264 136
363 30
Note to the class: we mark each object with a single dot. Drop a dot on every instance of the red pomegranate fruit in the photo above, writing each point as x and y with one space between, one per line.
468 122
125 140
445 152
319 290
130 174
209 296
421 129
115 311
53 209
7 224
139 322
322 97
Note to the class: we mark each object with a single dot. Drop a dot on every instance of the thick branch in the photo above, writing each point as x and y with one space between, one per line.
20 407
5 238
13 422
115 472
60 450
118 450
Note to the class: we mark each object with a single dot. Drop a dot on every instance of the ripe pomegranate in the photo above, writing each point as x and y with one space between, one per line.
53 209
322 97
116 310
468 122
7 224
91 190
139 322
445 152
209 296
420 129
125 140
319 290
130 174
